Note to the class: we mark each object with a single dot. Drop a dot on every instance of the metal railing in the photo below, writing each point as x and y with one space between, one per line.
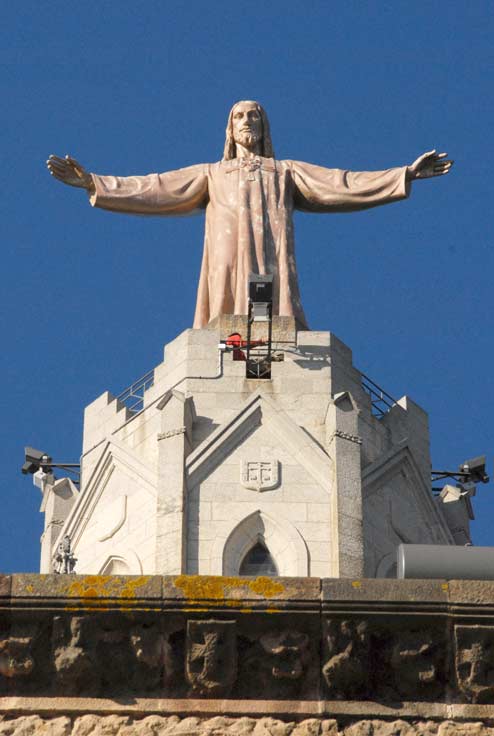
133 396
381 401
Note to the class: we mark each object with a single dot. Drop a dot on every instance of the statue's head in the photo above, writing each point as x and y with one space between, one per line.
247 124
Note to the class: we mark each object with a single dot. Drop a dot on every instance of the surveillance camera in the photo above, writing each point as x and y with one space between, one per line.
476 469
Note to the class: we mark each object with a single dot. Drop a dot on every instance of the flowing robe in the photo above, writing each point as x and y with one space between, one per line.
249 207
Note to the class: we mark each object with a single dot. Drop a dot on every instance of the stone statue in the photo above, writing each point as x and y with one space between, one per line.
249 197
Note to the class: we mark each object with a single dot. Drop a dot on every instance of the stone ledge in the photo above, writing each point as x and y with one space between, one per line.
237 708
367 646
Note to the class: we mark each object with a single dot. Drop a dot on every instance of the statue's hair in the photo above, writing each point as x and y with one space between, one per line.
266 145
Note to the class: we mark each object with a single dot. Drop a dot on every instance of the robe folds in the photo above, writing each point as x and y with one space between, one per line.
249 206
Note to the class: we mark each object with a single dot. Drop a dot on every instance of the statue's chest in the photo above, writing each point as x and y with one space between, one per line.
250 182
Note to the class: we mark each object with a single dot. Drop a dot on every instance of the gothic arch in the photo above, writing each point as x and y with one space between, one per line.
121 562
115 566
282 539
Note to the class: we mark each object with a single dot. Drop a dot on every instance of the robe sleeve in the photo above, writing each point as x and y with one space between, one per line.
317 189
172 193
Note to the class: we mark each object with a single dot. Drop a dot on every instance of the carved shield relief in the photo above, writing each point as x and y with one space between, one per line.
211 656
259 475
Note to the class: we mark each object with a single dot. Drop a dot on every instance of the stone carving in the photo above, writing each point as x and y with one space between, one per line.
260 475
249 198
155 659
211 656
347 670
19 654
345 436
171 433
16 659
417 662
278 664
287 654
474 662
74 667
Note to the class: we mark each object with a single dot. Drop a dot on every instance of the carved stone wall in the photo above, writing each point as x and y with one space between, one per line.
302 656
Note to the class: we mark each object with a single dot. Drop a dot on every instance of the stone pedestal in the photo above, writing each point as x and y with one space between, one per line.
215 462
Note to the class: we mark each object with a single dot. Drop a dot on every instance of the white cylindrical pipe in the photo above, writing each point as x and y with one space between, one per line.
445 561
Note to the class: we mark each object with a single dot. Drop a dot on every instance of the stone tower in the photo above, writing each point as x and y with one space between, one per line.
215 473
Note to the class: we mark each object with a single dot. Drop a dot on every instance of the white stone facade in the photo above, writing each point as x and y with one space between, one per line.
216 462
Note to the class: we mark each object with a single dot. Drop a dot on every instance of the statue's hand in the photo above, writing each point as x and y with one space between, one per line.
428 165
69 171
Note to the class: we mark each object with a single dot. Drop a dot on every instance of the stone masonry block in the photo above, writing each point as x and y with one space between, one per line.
207 588
5 586
367 589
85 587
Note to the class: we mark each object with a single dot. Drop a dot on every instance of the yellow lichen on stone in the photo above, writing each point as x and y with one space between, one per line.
266 587
106 586
200 587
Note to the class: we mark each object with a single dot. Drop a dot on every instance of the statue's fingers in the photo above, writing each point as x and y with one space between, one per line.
441 155
72 161
57 175
76 166
60 168
52 157
442 164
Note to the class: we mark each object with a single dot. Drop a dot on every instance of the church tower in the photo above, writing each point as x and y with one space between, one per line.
309 470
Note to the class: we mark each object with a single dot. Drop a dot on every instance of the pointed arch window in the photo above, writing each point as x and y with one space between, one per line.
258 561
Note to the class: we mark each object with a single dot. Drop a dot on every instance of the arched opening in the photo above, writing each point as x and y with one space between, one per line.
282 540
258 561
115 566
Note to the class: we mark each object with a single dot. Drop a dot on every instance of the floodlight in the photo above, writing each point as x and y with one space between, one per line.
450 494
260 287
40 464
34 460
260 290
475 468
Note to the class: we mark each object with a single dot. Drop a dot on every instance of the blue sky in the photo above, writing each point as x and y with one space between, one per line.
89 298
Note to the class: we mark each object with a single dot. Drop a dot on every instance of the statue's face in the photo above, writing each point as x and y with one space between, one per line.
247 124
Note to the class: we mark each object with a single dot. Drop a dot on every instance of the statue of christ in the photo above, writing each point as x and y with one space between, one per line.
249 198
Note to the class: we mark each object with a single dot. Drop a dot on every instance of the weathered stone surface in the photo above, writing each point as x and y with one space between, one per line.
249 639
211 656
346 672
156 725
280 665
5 585
220 588
34 726
474 592
449 728
474 662
87 588
367 589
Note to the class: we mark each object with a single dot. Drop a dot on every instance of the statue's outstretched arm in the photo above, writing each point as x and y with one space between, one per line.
69 171
429 164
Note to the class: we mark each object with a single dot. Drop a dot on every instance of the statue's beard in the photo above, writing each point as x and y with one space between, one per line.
247 139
